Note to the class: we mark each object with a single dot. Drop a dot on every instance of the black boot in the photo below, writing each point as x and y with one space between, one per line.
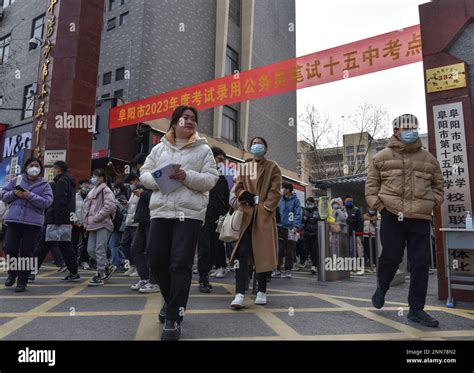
10 281
171 330
378 299
421 317
204 286
162 314
20 287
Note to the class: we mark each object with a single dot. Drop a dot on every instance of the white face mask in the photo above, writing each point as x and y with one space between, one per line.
33 171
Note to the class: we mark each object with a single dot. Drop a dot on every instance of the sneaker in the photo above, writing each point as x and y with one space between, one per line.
162 314
261 298
288 273
62 269
149 288
10 281
220 273
238 302
378 299
129 271
85 265
139 284
31 278
109 271
20 288
96 280
71 278
421 317
171 330
313 270
134 273
276 274
204 287
213 273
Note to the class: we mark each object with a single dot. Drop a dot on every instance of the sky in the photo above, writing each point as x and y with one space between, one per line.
322 24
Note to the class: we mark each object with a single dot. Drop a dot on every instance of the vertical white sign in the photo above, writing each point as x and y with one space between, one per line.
452 156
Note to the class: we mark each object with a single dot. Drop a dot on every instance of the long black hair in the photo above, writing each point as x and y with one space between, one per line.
178 113
31 160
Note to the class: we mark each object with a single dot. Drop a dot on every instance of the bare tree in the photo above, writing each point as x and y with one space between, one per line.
370 122
323 151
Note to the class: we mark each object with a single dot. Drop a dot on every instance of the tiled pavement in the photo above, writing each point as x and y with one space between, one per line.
298 309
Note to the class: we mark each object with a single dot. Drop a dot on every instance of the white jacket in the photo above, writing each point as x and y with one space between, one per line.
131 208
189 201
79 209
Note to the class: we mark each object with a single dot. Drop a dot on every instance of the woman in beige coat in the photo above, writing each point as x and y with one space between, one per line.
258 193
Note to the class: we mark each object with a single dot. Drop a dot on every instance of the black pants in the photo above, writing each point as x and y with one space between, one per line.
211 251
139 251
242 270
79 243
367 246
20 243
126 243
312 247
65 248
286 249
171 249
395 235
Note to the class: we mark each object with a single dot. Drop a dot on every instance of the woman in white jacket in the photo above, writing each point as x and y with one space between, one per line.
177 217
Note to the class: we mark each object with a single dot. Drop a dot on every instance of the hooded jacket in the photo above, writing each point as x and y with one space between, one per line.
99 207
404 179
290 212
191 199
27 211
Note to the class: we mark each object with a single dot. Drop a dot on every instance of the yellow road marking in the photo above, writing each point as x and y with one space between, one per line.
149 328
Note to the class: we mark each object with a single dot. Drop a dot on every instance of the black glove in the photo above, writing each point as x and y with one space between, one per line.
248 198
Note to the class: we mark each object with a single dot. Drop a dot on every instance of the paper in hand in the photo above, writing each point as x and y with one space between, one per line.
162 178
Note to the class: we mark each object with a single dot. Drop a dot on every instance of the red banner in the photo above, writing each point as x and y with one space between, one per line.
366 56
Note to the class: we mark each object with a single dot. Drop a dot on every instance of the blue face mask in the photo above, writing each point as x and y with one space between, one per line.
93 180
257 149
409 136
349 204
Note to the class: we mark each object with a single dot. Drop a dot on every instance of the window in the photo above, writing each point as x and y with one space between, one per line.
123 19
28 102
5 48
361 149
38 28
350 149
229 124
234 11
120 74
107 78
106 95
118 94
111 24
1 100
112 4
231 61
7 3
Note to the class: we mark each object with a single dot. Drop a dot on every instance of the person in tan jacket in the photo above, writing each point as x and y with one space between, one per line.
258 195
404 182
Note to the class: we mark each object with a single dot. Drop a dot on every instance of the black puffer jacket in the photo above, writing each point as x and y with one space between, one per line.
218 200
142 213
64 203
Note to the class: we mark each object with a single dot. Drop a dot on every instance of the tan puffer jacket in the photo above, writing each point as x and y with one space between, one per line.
403 178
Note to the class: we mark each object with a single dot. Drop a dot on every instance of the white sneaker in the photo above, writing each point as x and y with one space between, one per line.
213 273
149 288
134 273
238 302
85 266
139 284
220 273
313 270
276 274
288 274
129 271
261 298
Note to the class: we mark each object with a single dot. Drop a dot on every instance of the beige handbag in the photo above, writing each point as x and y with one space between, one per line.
231 226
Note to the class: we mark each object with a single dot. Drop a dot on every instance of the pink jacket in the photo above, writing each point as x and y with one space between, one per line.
99 209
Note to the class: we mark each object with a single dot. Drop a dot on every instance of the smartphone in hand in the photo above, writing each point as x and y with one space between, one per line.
19 188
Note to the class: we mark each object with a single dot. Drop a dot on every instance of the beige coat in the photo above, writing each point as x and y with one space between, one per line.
403 178
267 187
